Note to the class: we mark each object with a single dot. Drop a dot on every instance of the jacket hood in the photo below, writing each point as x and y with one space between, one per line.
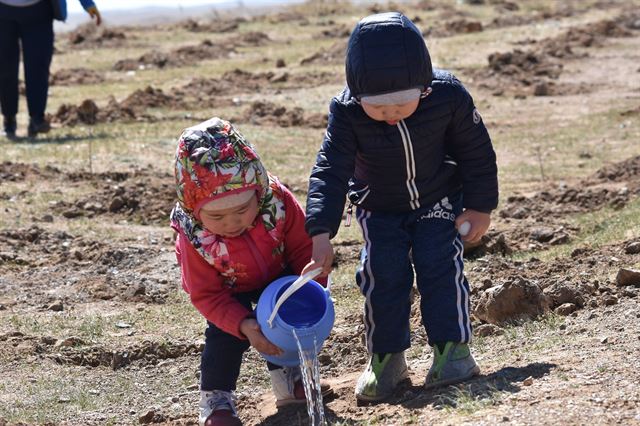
386 53
212 160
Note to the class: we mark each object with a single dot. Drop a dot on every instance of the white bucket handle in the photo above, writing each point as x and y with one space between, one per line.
302 280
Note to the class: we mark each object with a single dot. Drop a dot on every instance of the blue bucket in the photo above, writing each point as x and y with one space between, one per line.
308 310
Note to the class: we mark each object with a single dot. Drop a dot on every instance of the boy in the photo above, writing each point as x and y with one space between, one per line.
409 149
238 230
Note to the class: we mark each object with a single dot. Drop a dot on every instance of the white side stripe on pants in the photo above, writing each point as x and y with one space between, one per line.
462 299
367 277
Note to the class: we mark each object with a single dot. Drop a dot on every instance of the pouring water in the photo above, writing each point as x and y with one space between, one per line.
310 368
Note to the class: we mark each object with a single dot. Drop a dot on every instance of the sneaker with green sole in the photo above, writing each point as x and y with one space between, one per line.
454 364
382 375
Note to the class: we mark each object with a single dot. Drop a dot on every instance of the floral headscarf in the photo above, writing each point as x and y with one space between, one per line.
213 159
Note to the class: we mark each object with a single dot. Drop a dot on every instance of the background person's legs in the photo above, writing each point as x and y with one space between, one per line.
9 66
36 34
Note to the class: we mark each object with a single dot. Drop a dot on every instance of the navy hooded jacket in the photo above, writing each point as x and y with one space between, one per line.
443 147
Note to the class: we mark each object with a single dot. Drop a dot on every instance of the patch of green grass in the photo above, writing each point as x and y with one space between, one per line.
527 329
53 397
462 400
174 320
597 229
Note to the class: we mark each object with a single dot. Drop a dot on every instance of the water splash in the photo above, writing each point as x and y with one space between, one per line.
310 368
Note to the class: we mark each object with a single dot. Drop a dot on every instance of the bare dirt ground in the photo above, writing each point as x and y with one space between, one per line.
94 328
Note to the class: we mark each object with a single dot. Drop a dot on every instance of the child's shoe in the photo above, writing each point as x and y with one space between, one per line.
288 388
453 365
382 375
217 408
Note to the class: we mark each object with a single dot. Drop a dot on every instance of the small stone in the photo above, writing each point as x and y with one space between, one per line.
116 204
528 381
47 218
64 399
604 339
324 359
147 417
69 341
541 89
48 340
627 277
137 289
122 324
56 306
70 214
565 309
280 63
488 330
632 248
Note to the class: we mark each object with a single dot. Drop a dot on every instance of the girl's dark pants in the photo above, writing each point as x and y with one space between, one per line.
426 241
222 354
31 28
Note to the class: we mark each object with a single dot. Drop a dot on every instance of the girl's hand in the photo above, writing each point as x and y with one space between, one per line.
250 328
478 221
321 255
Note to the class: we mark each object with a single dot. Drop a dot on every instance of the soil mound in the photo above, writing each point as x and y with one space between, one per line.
186 55
253 38
20 172
146 353
75 76
89 35
140 197
211 91
36 246
453 27
336 31
268 113
211 27
510 291
532 72
333 54
132 108
614 185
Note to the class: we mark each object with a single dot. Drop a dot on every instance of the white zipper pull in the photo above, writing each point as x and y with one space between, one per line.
347 219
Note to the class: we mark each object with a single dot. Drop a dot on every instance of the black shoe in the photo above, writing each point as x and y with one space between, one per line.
10 126
38 125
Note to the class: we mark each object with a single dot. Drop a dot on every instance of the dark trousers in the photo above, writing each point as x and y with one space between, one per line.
31 27
222 354
397 243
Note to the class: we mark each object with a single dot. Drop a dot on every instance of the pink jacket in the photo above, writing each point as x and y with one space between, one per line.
253 254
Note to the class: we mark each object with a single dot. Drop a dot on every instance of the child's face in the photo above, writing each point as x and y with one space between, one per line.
230 222
390 114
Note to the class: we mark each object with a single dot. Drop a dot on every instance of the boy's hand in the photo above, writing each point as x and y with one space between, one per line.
321 255
479 224
250 328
